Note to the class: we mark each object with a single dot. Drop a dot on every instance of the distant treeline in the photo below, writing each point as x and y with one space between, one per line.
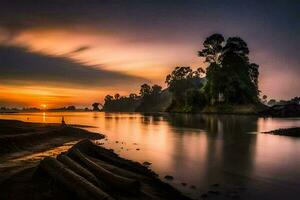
149 99
272 102
34 109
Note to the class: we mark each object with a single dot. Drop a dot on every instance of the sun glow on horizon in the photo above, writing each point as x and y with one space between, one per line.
48 97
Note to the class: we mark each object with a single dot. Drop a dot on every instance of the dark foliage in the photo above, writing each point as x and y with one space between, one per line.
231 78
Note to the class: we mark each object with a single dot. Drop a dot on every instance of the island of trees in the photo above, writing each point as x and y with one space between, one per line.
229 80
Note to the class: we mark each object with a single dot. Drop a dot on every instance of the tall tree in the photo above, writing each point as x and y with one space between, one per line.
229 72
213 47
145 90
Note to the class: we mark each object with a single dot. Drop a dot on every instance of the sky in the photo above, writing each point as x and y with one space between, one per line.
59 53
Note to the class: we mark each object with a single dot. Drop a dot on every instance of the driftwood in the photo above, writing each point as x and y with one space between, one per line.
121 183
75 183
88 147
77 168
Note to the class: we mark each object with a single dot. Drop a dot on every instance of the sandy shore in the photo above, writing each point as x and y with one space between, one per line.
40 161
23 144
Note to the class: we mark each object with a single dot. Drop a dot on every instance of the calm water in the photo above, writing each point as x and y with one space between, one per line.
201 150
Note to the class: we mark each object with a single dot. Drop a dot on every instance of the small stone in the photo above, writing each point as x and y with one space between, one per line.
117 141
216 185
137 149
183 184
134 143
204 196
169 177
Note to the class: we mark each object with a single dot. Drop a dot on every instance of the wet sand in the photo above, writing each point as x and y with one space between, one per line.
23 144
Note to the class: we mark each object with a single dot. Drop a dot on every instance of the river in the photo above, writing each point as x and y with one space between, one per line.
200 150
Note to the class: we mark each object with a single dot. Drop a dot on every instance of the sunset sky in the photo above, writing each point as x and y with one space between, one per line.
59 53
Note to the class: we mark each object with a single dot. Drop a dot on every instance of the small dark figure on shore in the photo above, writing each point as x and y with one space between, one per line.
63 123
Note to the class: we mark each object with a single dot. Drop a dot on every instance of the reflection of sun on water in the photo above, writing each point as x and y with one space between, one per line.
44 117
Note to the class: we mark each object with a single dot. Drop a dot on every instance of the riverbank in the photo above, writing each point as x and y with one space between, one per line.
18 136
19 141
80 171
293 132
247 109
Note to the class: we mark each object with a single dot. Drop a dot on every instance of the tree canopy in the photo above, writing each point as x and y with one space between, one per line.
229 74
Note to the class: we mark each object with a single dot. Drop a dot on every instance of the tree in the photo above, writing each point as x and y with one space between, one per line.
156 90
182 79
95 106
133 96
108 98
229 72
117 96
145 90
237 46
213 47
253 73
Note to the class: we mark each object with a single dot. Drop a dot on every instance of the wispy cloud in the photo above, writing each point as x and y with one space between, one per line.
18 65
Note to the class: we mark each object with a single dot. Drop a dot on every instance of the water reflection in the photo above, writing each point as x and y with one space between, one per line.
200 149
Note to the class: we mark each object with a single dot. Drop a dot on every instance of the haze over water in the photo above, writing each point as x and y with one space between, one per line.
200 150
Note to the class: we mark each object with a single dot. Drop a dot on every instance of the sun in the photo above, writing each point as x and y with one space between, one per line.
44 106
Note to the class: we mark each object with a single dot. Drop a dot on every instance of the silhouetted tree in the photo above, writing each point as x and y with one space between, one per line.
229 73
121 103
108 98
117 96
253 72
181 80
96 106
145 90
133 96
213 47
156 90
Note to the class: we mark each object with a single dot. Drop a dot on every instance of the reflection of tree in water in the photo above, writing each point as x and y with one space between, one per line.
238 147
229 148
151 118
